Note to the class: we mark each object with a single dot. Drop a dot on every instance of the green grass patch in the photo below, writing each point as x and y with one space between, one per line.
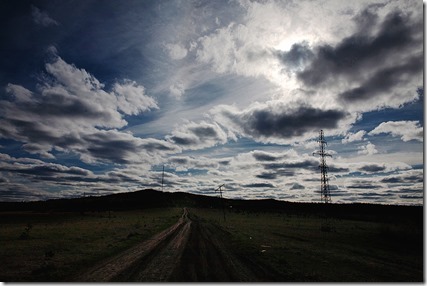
313 248
56 246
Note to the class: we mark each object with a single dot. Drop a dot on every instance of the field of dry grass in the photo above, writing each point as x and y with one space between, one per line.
54 247
297 246
314 248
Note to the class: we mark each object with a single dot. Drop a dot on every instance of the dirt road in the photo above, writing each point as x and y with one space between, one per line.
191 250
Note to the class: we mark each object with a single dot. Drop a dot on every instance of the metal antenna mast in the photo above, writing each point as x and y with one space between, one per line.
325 195
220 194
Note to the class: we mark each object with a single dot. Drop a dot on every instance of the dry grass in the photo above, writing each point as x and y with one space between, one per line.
56 246
311 248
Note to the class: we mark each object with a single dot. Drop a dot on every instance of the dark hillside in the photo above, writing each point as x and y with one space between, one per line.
150 198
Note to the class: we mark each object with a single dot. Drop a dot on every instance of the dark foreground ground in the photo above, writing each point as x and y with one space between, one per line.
192 250
212 241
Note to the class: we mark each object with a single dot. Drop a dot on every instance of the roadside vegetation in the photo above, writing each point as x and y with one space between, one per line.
56 246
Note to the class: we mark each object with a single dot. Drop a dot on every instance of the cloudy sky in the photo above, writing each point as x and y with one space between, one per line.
97 96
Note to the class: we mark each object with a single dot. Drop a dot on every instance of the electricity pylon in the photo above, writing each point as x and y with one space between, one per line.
325 195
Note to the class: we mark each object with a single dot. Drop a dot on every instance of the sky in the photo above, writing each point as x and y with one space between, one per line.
97 97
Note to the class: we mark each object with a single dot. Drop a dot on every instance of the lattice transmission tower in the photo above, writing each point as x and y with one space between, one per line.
325 195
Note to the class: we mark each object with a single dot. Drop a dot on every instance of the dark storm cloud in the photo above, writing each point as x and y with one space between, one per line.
384 80
267 175
187 162
111 148
415 178
122 148
380 64
335 169
297 186
264 156
224 162
363 186
258 185
197 135
305 164
48 170
183 140
19 171
367 195
153 145
367 18
204 131
275 171
39 171
120 176
305 119
179 160
297 57
411 197
403 179
103 145
372 168
397 34
408 191
273 166
272 121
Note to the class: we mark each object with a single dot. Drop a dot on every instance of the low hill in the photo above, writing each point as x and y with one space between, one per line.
150 198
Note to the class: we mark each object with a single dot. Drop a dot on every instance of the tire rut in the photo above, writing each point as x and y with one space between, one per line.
192 250
124 265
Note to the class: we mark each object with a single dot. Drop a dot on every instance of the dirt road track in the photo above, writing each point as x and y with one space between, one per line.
189 251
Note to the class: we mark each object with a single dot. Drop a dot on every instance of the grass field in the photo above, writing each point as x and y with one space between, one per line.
313 248
53 247
300 247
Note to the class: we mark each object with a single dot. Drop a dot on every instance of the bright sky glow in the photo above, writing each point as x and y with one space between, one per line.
97 97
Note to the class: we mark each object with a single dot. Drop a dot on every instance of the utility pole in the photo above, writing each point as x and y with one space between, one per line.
222 200
325 195
163 176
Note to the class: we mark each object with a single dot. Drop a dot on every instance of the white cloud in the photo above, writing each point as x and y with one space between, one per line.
177 89
131 98
73 112
176 51
352 137
368 149
42 18
192 135
218 49
406 130
20 93
407 158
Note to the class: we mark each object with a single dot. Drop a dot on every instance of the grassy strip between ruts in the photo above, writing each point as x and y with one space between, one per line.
314 248
55 246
